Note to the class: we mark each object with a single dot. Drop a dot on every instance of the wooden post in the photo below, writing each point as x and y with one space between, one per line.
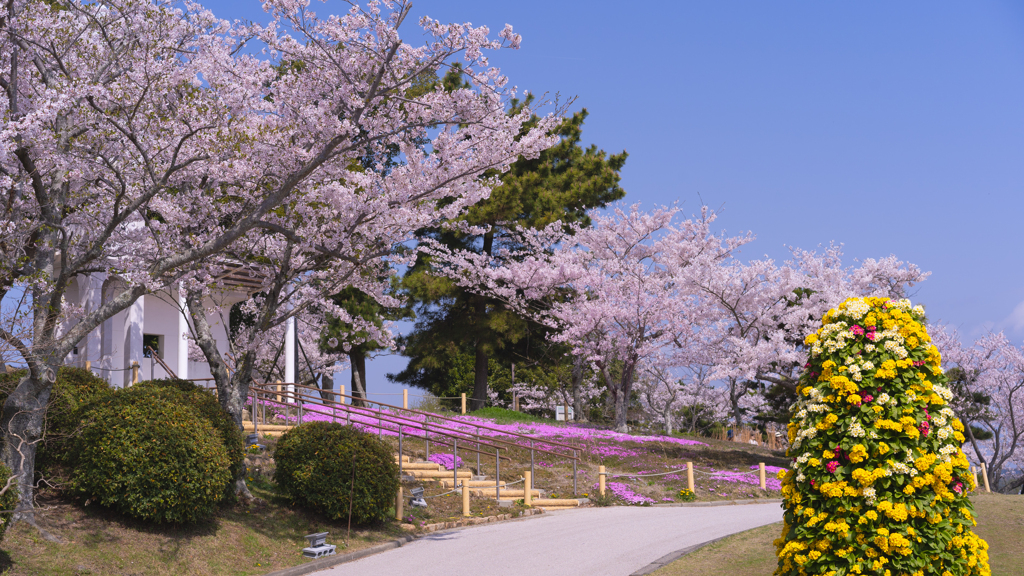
135 372
689 476
600 481
975 474
760 473
528 488
278 388
405 398
465 499
565 412
88 365
984 476
463 403
399 503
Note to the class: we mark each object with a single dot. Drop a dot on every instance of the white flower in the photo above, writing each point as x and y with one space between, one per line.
856 309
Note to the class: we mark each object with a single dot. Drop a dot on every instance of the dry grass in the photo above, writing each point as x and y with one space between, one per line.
748 553
1000 522
240 541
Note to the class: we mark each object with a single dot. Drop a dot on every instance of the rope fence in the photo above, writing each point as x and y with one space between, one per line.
604 476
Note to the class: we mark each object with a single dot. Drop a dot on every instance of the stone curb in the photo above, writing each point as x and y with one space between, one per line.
338 559
477 521
673 556
718 503
331 561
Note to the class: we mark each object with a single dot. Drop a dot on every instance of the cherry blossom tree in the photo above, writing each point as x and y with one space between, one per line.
623 299
989 398
141 141
767 309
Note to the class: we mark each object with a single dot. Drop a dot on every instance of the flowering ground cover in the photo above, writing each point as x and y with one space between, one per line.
646 468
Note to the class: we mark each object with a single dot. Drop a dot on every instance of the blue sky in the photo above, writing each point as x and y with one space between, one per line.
890 127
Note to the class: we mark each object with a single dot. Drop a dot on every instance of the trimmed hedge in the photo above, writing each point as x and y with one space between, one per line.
879 483
317 461
207 405
151 457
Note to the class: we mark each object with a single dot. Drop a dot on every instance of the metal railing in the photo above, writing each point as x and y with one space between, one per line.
278 396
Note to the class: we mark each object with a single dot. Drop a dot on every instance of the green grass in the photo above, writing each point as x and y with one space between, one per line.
503 416
751 553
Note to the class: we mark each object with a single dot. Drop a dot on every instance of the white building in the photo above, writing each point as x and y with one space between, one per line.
158 321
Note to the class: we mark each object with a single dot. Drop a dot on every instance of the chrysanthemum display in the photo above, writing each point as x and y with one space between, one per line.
878 484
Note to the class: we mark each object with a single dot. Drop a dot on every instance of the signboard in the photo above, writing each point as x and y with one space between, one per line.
560 413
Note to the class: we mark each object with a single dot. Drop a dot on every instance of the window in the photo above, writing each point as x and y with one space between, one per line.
154 341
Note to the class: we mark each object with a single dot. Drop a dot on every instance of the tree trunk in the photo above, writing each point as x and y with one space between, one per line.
735 393
22 424
479 378
357 359
232 390
625 387
480 364
577 400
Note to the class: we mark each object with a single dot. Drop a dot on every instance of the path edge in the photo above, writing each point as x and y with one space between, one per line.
339 559
673 556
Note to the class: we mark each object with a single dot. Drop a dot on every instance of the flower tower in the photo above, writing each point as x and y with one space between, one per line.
878 484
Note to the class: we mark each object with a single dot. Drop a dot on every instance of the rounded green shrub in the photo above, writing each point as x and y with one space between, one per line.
319 464
150 457
207 405
879 483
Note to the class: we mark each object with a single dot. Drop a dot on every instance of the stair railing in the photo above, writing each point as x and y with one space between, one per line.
257 390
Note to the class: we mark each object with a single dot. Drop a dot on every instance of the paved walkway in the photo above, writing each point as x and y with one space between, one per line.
613 541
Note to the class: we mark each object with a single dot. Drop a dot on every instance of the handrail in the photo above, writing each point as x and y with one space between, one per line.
155 356
548 442
435 427
420 426
304 409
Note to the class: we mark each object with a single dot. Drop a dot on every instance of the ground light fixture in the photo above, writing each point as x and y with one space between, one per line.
318 546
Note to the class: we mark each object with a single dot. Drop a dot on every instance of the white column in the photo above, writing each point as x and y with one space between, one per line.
133 322
182 340
289 354
94 299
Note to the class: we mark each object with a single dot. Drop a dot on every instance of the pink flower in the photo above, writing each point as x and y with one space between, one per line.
867 397
857 330
832 467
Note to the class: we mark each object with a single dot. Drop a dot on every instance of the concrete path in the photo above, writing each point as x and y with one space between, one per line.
613 541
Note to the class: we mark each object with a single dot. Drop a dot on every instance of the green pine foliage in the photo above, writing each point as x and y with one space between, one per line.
150 456
321 464
563 183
